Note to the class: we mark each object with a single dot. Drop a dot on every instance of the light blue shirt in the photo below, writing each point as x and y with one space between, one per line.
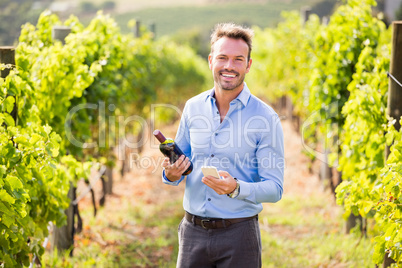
248 144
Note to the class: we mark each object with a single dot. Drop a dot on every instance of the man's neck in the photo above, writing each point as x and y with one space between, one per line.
223 98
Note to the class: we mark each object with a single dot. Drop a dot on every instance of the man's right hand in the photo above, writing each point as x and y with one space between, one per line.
174 171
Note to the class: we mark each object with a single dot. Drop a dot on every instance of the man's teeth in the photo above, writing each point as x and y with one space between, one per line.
229 75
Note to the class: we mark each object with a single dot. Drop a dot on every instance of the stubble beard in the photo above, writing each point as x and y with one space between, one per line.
228 86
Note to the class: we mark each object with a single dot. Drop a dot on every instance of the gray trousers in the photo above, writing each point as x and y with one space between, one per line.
239 245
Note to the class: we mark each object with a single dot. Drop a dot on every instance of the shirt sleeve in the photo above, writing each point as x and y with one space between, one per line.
168 182
271 162
182 140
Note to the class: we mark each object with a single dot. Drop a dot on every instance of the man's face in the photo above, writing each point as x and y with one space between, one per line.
228 63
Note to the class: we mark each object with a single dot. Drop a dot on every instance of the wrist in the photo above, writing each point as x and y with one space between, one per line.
236 190
169 177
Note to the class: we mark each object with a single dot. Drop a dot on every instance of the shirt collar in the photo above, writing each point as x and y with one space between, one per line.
243 97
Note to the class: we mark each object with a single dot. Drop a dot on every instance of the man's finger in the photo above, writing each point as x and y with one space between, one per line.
179 161
188 164
223 174
184 163
165 162
215 184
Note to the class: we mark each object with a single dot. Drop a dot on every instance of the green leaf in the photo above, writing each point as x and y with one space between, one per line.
390 233
22 140
7 220
9 120
4 196
47 129
379 251
9 104
366 207
35 138
8 261
390 137
14 182
3 171
5 209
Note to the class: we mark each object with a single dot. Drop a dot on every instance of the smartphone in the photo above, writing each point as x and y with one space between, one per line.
210 171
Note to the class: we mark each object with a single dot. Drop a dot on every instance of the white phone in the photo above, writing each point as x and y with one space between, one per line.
210 171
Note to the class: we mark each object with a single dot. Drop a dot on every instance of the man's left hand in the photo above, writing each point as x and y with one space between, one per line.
225 185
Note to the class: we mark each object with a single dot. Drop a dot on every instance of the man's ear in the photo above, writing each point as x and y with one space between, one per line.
210 61
250 61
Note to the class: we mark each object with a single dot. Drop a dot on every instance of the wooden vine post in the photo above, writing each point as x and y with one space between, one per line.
394 108
63 237
7 56
60 33
109 182
304 14
137 29
152 28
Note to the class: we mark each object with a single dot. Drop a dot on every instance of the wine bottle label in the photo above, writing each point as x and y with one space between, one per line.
168 140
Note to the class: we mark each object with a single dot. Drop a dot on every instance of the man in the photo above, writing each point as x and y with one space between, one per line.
230 129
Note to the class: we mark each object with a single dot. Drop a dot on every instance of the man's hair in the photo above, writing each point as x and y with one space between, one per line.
234 31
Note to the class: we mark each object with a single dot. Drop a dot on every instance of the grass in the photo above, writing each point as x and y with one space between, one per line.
134 236
300 232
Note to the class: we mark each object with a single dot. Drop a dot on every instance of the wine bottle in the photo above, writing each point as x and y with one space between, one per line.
170 149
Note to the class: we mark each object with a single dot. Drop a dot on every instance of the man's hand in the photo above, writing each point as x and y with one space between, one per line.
174 171
226 185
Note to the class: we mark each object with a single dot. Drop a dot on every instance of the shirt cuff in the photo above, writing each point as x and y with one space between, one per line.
167 181
244 190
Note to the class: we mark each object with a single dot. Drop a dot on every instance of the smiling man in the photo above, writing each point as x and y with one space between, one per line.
229 128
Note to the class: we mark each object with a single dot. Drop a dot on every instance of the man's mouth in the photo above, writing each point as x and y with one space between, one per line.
228 75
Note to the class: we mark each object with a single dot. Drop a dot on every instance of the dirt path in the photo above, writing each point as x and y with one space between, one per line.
298 179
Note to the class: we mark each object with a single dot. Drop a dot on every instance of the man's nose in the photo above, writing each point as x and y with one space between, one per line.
229 64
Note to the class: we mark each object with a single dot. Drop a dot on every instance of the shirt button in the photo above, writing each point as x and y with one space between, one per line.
216 134
209 199
212 155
